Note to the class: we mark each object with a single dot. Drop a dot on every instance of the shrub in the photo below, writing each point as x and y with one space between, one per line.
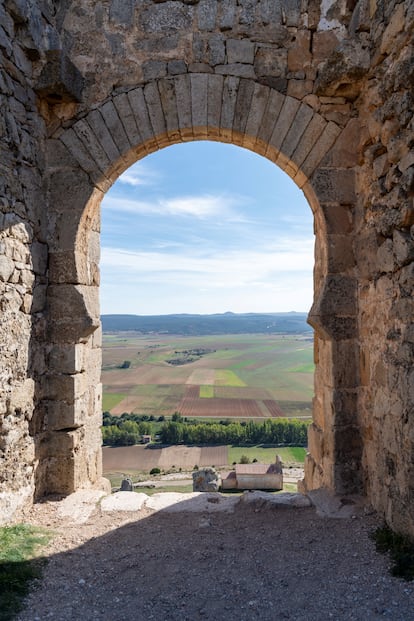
155 471
399 547
244 459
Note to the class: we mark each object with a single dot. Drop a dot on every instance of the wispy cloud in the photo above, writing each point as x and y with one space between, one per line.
200 207
242 281
234 267
137 175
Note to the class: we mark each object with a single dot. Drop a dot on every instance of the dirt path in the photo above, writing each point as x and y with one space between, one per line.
254 563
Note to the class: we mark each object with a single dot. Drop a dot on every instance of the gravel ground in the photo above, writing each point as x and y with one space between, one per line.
254 564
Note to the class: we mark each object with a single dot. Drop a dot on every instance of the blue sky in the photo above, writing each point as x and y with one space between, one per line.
205 227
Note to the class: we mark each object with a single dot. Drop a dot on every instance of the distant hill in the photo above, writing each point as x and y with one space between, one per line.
224 323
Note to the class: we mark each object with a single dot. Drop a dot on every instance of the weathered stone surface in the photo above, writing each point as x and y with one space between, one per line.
206 480
166 17
265 500
6 268
79 506
12 501
126 485
343 73
60 80
240 51
328 505
123 501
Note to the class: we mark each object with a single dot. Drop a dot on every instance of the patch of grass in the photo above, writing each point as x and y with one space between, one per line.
290 487
243 363
225 377
225 354
161 355
18 546
111 399
399 547
267 455
181 489
298 453
206 392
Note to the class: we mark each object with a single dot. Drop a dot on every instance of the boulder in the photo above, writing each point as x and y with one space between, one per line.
126 485
206 480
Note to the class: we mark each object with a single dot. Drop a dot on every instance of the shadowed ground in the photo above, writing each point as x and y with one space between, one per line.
250 564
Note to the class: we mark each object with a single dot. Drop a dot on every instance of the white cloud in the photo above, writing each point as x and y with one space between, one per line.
201 207
196 206
222 269
138 174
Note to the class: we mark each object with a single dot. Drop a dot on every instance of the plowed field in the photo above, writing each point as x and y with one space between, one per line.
129 404
273 407
220 408
127 458
245 373
241 392
202 376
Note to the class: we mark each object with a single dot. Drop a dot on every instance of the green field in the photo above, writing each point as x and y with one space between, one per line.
110 400
243 376
227 377
206 392
266 455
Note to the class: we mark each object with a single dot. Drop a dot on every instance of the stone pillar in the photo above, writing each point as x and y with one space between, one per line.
69 445
335 445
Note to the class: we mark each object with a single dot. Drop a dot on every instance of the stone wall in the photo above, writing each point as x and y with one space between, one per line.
324 90
385 251
23 255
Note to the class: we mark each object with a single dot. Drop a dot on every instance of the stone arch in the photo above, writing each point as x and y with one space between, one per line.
67 66
83 162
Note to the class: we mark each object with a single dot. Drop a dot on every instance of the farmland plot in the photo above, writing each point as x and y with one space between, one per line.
241 392
129 458
271 374
131 403
273 407
144 458
202 377
193 407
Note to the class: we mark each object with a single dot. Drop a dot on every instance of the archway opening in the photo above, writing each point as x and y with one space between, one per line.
94 152
211 246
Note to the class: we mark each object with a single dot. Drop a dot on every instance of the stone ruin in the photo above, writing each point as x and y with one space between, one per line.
254 476
206 480
322 88
126 485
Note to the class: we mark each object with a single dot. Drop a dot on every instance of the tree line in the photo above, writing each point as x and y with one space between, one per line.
270 431
128 429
